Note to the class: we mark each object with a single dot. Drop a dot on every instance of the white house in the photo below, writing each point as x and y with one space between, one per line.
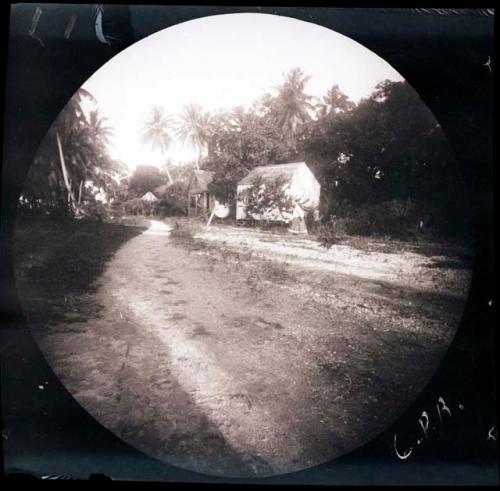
300 183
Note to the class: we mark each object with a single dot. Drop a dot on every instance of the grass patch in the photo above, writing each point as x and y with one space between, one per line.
277 272
464 262
457 249
183 234
134 221
56 264
256 270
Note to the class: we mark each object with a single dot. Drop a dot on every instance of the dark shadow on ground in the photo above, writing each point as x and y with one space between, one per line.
57 263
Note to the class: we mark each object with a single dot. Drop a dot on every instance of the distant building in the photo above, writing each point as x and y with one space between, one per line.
299 182
200 200
150 201
149 197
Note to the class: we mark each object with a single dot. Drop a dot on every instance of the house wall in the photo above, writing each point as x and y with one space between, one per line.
211 201
303 186
204 203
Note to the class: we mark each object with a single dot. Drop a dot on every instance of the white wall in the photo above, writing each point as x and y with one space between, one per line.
305 187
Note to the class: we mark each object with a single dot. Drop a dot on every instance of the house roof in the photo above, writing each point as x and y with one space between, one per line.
149 196
200 180
271 172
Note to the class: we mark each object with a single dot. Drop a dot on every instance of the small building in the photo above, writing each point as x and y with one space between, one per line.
149 197
200 200
300 183
150 203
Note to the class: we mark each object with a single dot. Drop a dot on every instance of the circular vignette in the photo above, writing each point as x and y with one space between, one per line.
219 355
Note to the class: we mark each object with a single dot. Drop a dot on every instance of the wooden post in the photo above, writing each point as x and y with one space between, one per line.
211 217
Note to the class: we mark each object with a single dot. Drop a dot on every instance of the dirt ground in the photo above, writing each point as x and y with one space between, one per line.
241 353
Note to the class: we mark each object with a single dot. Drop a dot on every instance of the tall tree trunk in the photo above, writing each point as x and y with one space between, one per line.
170 180
71 197
198 162
210 148
80 192
165 167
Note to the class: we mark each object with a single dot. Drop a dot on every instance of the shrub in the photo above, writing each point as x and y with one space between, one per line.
94 210
389 218
268 199
175 201
331 232
182 231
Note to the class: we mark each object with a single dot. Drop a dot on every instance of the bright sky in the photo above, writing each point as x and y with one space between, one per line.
221 62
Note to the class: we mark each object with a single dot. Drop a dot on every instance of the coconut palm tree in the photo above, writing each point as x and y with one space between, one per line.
98 130
156 134
293 104
75 149
237 123
97 166
194 128
334 102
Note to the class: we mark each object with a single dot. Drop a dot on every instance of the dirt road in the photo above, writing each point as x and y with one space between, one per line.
192 363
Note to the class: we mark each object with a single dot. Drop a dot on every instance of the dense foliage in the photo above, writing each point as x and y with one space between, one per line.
383 163
268 200
145 178
72 171
174 201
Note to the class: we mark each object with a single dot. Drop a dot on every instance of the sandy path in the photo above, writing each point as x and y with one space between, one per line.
186 366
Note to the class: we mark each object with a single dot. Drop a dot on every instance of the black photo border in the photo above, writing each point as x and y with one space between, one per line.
446 54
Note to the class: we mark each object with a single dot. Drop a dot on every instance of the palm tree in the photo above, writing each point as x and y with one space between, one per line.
74 147
237 120
293 104
194 127
96 165
334 102
74 151
98 129
156 133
